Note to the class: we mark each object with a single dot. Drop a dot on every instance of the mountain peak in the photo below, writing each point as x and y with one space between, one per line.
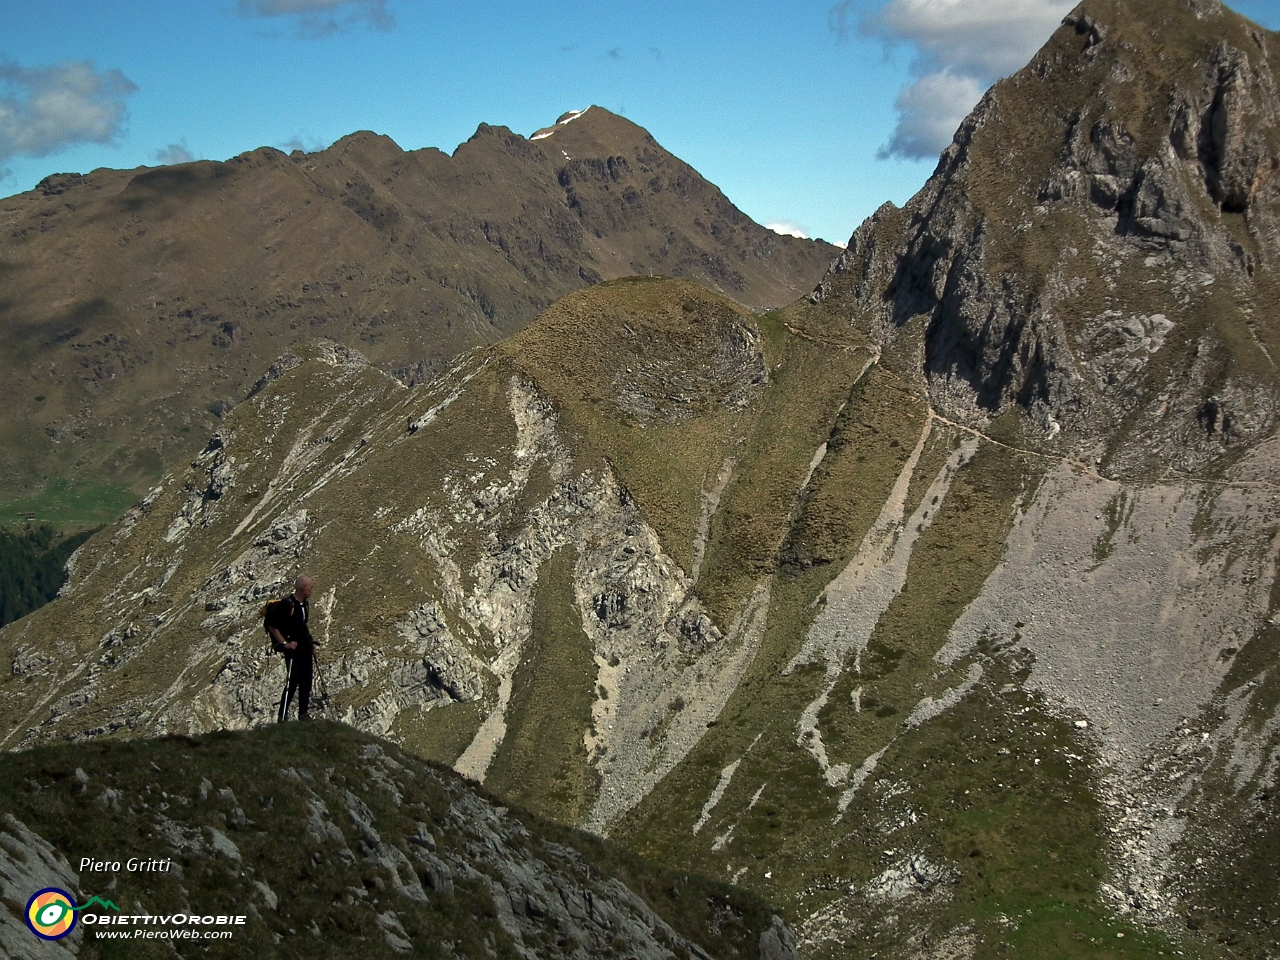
411 256
362 138
567 117
1139 149
595 130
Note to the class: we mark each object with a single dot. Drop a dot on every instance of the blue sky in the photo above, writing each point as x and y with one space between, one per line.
805 112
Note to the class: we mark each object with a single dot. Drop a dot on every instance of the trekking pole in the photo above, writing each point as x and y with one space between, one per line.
324 687
284 697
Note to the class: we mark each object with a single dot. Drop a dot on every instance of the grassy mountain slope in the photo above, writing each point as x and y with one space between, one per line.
140 305
772 698
331 843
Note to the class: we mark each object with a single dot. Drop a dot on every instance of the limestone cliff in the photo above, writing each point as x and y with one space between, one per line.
1098 246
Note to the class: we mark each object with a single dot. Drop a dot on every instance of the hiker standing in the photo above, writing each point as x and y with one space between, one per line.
292 637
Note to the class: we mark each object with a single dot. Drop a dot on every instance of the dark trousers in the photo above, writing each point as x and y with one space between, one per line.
299 663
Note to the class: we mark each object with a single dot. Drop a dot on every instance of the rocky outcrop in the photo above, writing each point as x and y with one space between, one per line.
1227 127
999 278
29 863
283 476
414 857
778 942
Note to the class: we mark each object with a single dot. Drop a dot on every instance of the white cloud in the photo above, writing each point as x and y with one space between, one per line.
786 229
929 111
962 47
174 153
314 19
986 39
46 109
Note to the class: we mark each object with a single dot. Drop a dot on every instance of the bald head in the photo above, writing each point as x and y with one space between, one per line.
302 587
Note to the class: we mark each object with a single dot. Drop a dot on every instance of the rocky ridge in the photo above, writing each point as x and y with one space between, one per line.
1098 246
416 860
188 280
258 489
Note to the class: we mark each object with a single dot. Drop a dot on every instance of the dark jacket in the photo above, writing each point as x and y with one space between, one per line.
291 619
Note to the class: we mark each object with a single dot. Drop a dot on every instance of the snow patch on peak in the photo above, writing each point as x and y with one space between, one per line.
564 118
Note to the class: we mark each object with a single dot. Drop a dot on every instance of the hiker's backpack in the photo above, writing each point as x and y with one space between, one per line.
275 613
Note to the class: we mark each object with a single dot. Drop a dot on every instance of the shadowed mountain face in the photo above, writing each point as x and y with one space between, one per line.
138 306
1099 246
939 607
